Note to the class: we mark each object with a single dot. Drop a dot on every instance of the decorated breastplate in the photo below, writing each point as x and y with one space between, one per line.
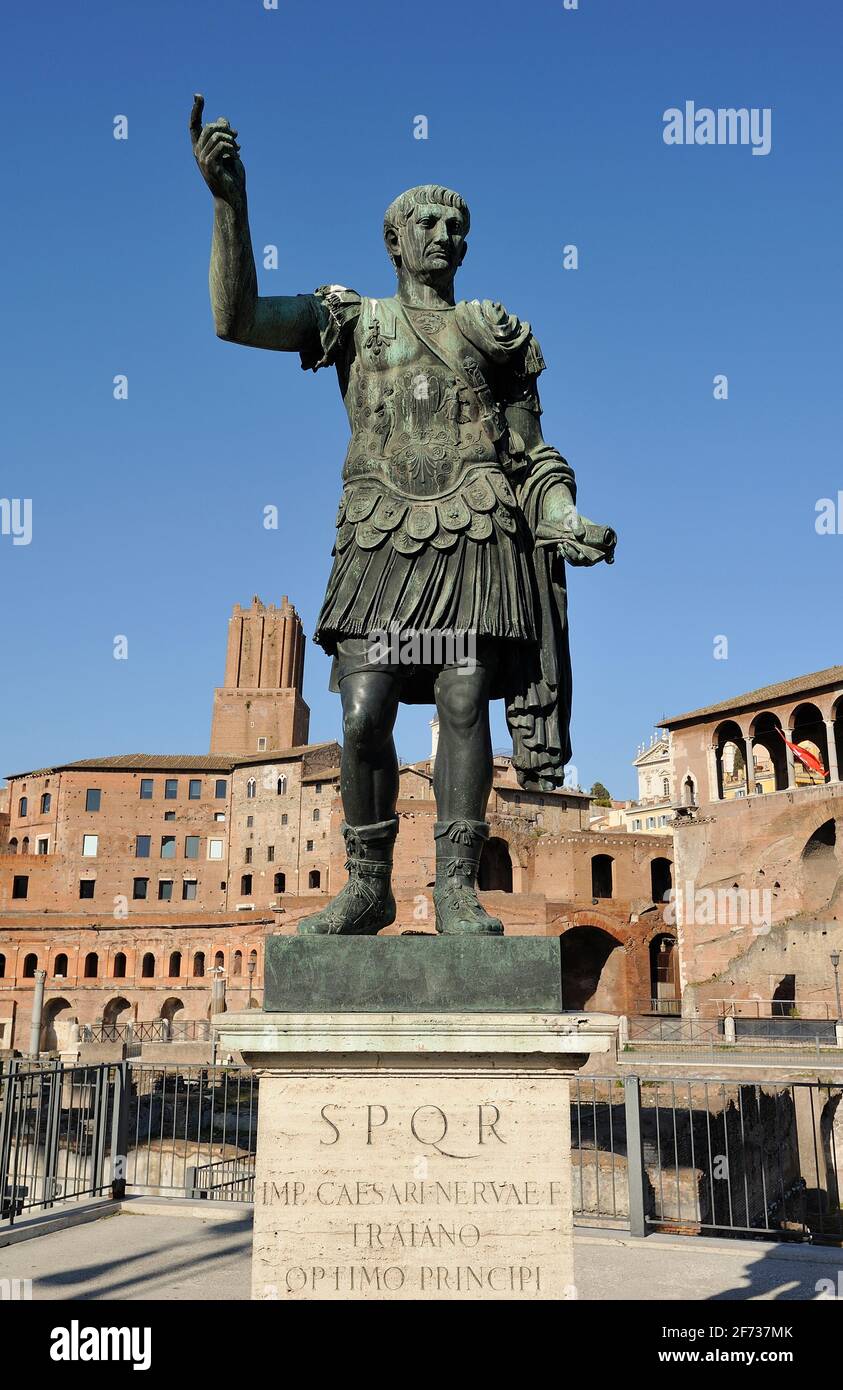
424 462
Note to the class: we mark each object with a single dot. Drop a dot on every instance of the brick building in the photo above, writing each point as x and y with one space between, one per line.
758 848
135 881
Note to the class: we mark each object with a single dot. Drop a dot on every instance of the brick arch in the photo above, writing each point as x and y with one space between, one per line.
589 917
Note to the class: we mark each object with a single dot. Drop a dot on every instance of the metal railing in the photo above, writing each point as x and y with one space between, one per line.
84 1131
724 1156
151 1030
714 1157
670 1008
773 1008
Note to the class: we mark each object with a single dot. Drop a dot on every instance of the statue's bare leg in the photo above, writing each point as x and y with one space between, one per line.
462 782
369 787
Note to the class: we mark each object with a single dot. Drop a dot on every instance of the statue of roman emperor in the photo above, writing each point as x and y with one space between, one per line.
454 525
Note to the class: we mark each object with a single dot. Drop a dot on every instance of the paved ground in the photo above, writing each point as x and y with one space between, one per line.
133 1256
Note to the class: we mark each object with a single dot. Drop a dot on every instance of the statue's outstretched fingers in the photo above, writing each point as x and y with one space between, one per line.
195 125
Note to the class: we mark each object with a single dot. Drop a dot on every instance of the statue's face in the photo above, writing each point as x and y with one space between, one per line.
431 243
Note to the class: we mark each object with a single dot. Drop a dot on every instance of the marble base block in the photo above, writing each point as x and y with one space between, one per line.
413 1156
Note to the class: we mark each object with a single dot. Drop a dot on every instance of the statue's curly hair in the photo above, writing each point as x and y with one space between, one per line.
400 208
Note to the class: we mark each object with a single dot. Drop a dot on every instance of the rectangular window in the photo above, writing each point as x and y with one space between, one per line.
165 890
90 845
43 844
191 847
20 886
171 788
249 855
309 844
318 788
139 888
93 797
250 820
143 844
86 887
194 789
270 853
284 818
215 849
168 846
261 745
188 890
146 788
219 815
651 822
169 815
220 789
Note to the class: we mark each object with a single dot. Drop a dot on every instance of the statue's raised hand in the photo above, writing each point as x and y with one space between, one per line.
218 155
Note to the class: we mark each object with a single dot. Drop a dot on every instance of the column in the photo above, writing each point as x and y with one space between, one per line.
833 772
749 760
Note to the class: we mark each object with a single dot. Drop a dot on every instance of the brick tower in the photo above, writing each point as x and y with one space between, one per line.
260 707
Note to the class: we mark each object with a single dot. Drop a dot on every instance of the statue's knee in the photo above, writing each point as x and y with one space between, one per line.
364 729
459 706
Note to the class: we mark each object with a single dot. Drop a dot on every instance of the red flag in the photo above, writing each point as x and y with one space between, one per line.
812 763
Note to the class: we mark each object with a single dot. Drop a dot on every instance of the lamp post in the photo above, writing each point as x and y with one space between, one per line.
835 965
251 969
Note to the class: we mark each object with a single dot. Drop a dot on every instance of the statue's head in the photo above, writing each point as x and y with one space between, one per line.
425 231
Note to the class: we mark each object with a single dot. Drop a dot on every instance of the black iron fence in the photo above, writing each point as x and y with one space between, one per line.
696 1156
125 1127
713 1157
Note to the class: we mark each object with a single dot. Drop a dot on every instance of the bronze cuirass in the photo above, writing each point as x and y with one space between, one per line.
424 462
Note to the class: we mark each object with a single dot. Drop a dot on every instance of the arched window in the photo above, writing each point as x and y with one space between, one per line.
245 883
118 969
253 958
602 876
148 966
730 757
13 845
809 734
281 786
2 966
22 805
661 879
219 960
664 981
237 963
314 879
46 799
92 965
175 965
199 965
251 788
316 813
30 966
769 755
689 792
24 845
279 883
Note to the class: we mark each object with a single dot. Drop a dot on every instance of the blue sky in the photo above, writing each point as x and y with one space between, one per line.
697 261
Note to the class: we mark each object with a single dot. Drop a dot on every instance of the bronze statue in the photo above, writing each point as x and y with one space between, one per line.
455 521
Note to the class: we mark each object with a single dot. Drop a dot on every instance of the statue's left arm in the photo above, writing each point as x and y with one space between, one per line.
580 541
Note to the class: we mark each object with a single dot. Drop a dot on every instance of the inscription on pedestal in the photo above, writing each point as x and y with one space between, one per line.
397 1186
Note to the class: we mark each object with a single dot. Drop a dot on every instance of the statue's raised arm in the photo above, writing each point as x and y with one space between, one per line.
284 323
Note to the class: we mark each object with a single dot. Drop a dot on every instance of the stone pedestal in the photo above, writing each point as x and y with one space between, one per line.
414 1154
